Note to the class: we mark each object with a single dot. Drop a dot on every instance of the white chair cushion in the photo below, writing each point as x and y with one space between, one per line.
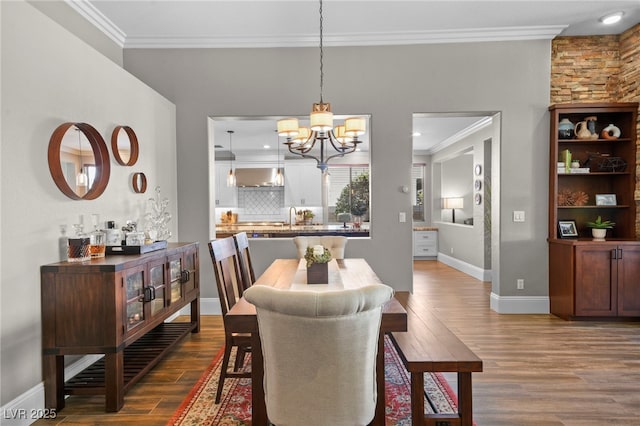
335 243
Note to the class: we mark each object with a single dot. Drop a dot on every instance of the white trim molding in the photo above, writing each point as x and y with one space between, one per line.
467 268
519 304
97 18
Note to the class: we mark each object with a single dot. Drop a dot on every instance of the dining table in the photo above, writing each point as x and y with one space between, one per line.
291 274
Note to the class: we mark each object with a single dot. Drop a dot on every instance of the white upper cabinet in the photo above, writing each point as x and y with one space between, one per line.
302 184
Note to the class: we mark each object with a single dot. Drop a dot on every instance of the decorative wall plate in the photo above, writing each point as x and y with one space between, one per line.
478 170
477 184
478 199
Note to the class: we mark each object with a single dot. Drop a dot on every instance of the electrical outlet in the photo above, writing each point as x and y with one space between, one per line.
520 284
402 217
451 250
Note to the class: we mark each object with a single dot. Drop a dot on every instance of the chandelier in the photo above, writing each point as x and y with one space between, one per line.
343 138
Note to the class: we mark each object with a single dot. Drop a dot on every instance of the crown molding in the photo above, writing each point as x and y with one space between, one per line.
109 28
95 17
347 39
478 125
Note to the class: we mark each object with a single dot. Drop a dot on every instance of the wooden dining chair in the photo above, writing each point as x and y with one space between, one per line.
244 257
226 267
319 352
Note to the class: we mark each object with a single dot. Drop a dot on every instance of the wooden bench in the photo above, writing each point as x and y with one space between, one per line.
429 346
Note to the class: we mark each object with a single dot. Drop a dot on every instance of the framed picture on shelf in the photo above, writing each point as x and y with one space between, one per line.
606 200
567 228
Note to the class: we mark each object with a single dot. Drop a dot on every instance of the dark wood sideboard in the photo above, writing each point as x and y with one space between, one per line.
116 306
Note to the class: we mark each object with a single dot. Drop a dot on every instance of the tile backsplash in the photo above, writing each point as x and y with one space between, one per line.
260 204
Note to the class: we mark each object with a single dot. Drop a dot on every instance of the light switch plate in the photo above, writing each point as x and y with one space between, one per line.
518 216
402 217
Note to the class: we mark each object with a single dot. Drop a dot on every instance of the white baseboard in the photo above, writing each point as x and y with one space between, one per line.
467 268
25 409
29 406
519 304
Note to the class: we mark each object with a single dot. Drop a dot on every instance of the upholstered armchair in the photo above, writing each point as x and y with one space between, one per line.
319 353
335 243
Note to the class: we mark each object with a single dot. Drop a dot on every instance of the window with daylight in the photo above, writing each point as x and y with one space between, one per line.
349 192
417 191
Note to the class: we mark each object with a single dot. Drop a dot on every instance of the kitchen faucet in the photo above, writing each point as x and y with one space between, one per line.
295 212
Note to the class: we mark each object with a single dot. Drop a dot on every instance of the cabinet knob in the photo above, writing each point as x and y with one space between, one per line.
185 275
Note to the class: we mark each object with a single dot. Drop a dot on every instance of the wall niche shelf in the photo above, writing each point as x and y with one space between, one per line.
590 278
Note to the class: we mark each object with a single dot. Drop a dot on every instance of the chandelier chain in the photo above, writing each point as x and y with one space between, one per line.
321 55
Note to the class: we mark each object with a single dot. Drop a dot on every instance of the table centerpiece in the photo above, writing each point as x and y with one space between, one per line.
317 258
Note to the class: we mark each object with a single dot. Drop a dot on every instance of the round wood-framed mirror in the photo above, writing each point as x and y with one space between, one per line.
81 173
124 145
139 183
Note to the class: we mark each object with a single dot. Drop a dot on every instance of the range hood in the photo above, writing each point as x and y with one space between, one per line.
256 177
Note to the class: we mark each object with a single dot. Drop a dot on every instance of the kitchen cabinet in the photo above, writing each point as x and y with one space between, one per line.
425 244
116 306
225 196
303 184
594 279
591 278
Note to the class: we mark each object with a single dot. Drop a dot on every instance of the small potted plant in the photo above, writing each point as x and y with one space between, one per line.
317 258
306 216
599 228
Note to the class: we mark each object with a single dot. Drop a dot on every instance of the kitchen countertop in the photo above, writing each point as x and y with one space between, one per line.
283 230
425 228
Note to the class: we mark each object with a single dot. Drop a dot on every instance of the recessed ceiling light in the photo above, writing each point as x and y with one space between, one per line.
266 146
612 18
415 134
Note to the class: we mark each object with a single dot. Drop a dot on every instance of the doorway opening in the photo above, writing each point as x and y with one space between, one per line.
459 154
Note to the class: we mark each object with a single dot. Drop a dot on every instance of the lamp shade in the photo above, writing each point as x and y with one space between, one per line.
303 134
288 127
339 134
453 203
321 117
321 121
354 126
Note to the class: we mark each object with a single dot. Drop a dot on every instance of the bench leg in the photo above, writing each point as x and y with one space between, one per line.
417 399
465 408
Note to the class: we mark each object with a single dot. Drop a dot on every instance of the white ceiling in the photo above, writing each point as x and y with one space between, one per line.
266 23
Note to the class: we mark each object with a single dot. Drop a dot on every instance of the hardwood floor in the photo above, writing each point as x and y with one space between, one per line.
538 369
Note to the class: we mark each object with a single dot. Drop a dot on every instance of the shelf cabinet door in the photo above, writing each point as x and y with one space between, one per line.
190 283
175 278
629 281
134 283
595 281
158 282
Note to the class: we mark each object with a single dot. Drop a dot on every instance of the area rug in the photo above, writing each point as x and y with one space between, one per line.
199 407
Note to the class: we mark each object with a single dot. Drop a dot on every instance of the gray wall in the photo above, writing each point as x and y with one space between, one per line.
390 83
455 168
50 77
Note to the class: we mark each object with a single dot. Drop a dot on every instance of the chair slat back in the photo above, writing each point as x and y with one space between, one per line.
244 257
226 269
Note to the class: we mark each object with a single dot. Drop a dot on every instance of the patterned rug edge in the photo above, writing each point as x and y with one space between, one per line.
198 408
